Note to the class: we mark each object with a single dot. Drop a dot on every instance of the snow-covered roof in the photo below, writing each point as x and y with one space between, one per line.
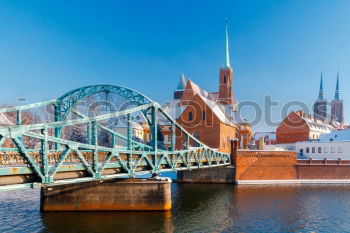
174 108
336 136
319 126
217 110
197 90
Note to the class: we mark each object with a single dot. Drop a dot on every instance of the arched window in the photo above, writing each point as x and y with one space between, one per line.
203 115
224 78
190 116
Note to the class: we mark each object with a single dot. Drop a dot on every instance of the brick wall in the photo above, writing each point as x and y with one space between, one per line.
292 129
265 165
211 131
283 165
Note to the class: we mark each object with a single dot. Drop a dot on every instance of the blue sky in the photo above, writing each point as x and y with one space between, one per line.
277 47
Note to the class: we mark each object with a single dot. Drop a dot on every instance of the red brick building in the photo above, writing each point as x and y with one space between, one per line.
212 117
298 126
206 121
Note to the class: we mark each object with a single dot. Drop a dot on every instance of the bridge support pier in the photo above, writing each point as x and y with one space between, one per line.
214 175
108 195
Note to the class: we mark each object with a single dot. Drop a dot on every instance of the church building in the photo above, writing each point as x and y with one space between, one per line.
212 117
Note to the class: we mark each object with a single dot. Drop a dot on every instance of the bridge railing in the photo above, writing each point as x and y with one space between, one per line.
51 153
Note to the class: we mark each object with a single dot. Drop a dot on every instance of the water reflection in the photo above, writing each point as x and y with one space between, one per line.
108 222
197 208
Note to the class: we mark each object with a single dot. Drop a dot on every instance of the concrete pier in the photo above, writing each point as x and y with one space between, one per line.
215 175
109 195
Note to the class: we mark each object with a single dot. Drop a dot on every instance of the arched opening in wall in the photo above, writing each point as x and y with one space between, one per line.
190 116
225 79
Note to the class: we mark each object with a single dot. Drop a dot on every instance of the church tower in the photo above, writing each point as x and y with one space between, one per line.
226 96
320 105
180 87
337 113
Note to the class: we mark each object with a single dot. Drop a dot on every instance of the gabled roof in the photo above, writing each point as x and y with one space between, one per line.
217 110
196 89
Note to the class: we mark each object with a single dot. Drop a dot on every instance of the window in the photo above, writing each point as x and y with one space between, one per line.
307 150
326 150
203 115
320 150
332 150
313 149
340 150
190 116
301 151
224 78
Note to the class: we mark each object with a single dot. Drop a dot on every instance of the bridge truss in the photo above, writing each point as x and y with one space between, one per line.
43 152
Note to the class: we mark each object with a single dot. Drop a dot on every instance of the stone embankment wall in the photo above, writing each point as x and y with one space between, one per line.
265 165
284 165
116 194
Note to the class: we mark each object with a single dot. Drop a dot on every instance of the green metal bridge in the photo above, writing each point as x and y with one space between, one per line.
80 137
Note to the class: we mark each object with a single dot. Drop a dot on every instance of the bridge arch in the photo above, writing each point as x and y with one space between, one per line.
70 99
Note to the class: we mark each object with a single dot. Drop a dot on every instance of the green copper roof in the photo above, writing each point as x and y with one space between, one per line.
320 94
182 83
227 53
336 97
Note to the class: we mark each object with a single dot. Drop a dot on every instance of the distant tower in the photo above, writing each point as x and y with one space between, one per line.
226 75
320 105
180 87
337 114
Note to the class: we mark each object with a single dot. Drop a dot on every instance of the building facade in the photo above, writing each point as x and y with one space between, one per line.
335 145
299 126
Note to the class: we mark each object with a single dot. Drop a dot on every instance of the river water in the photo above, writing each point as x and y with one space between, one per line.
197 208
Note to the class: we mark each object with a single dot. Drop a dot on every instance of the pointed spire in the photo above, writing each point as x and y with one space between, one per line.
182 82
336 97
320 94
227 53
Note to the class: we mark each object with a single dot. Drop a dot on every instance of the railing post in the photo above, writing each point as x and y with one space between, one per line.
154 130
113 140
129 145
129 133
19 120
187 142
88 133
94 137
45 156
57 107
